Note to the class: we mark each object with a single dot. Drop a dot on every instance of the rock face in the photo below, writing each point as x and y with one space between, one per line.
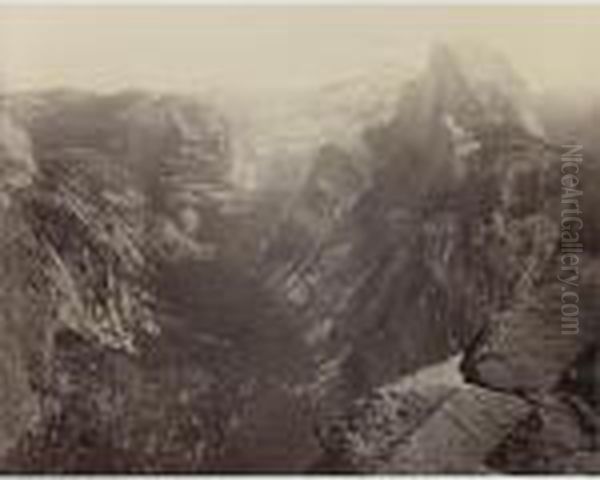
23 352
23 329
484 211
525 349
125 235
394 254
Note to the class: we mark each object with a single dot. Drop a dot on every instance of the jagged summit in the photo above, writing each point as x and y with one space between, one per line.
478 87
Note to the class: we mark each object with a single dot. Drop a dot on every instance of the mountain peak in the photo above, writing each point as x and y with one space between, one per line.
478 87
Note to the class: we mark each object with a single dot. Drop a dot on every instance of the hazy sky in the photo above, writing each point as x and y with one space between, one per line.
267 47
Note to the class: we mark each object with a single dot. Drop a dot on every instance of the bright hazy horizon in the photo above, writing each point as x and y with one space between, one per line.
254 48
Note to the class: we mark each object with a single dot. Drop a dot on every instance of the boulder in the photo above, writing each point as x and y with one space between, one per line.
460 433
528 349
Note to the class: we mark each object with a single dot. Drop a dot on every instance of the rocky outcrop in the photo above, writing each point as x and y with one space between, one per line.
395 254
24 323
473 422
486 202
162 340
429 422
82 241
525 349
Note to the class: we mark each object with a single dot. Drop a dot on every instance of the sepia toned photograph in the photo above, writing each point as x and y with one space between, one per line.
299 239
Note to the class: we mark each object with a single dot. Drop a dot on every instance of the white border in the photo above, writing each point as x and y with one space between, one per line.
299 3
